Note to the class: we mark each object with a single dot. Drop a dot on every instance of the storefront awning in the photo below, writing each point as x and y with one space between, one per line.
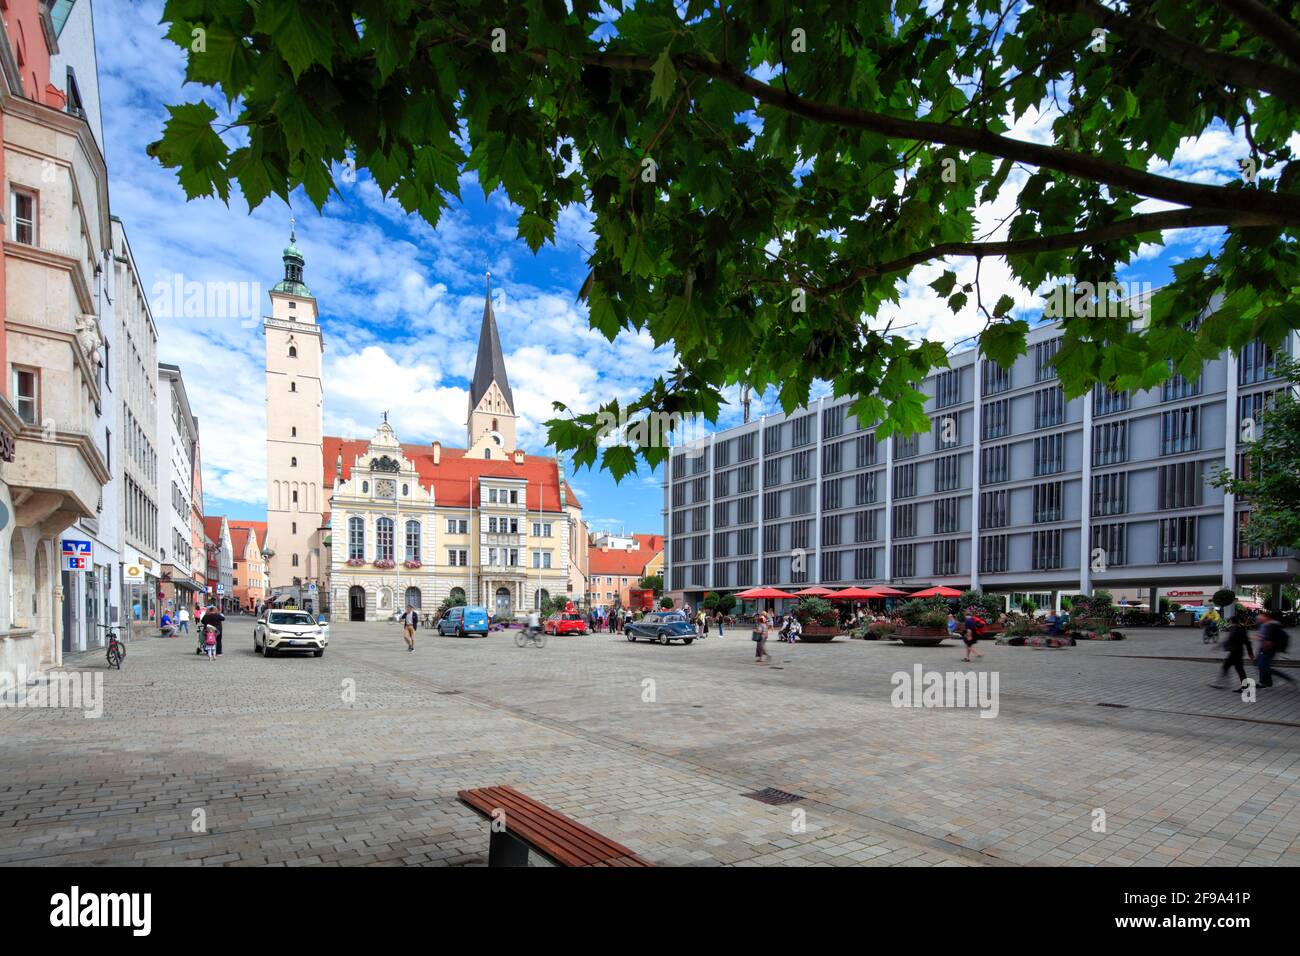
185 584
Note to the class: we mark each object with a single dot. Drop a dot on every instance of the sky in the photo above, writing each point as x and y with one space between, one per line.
401 302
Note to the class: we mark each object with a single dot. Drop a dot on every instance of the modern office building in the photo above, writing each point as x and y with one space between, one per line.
1013 489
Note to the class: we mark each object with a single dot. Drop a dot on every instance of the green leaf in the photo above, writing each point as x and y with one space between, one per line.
665 77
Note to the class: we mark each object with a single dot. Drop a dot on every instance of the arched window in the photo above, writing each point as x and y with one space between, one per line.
384 539
406 490
293 462
356 539
365 487
458 594
293 431
293 386
540 597
295 497
295 560
293 351
487 452
413 598
412 541
494 425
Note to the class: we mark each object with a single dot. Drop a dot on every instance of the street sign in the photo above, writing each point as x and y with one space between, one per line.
77 555
312 588
221 589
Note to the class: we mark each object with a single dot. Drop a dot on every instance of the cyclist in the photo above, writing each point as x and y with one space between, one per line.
1210 625
534 623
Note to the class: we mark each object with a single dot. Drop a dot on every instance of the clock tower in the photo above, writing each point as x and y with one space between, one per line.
294 355
491 424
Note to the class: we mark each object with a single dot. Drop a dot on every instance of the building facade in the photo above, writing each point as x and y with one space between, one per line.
178 441
249 574
54 453
1012 489
221 562
618 562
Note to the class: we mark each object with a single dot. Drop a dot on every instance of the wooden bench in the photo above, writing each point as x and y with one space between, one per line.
520 823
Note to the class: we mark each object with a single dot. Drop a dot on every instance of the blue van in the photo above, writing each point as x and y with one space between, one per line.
463 620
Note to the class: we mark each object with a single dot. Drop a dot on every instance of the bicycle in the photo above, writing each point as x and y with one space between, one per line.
528 635
116 649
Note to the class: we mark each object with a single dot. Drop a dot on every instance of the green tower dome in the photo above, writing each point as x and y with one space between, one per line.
294 264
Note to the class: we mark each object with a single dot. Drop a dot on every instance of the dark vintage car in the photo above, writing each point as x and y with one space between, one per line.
661 626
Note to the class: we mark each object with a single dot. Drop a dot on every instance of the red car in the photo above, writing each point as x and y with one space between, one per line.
566 622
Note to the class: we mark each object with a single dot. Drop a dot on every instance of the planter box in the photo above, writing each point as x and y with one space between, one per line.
818 634
920 636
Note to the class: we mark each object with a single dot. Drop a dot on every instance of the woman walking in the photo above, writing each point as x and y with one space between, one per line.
760 638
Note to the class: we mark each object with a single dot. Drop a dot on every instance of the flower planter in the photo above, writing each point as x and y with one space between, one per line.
818 633
921 636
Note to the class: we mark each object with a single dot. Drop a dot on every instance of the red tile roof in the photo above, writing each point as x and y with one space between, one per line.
624 562
212 528
453 479
239 532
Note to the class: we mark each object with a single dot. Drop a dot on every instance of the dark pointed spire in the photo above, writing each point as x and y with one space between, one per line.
491 365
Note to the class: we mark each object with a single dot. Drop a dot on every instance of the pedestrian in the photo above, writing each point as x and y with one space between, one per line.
952 624
702 624
1237 643
796 629
760 638
410 621
182 621
719 620
1209 625
213 618
1273 640
974 627
211 640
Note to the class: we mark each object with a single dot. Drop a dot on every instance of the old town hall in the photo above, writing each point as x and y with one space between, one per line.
366 526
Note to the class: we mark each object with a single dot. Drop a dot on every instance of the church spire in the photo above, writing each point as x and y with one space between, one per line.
490 365
294 263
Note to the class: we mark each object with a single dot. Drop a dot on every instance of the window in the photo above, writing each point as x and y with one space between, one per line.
801 432
947 431
1110 443
993 378
995 464
904 481
1106 402
1045 359
541 559
993 509
833 421
995 422
458 526
27 394
293 462
1251 408
904 560
831 528
1047 550
864 564
412 541
947 515
356 539
1179 486
947 388
1111 539
457 557
771 439
1176 386
492 496
722 453
1049 407
745 510
832 460
904 521
1245 548
1180 431
864 526
22 208
866 450
746 447
1049 454
865 488
907 446
945 556
993 553
1047 502
831 494
1177 540
1110 494
946 475
1255 363
293 386
801 466
384 539
293 351
294 497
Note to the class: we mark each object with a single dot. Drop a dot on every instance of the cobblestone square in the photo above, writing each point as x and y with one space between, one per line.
356 757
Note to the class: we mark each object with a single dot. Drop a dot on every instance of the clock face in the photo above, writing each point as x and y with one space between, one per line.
385 488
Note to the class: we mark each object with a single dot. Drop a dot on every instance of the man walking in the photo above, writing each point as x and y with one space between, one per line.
1273 640
183 620
1238 645
410 621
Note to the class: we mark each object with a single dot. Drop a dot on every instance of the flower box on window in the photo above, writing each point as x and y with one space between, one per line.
355 562
385 563
412 565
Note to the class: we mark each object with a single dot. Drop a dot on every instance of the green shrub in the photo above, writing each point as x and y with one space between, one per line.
1028 607
815 610
666 603
1102 597
1225 597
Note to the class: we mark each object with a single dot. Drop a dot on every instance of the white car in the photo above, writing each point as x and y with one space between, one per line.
278 630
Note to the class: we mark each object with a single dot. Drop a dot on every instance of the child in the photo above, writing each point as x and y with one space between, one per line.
210 642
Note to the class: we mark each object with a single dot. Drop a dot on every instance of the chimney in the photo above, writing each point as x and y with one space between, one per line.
437 452
519 457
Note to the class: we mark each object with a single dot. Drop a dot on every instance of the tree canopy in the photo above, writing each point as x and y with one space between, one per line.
764 176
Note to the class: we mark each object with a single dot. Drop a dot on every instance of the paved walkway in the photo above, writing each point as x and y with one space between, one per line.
356 757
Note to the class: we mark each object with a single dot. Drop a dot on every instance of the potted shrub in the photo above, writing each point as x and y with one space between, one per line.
820 622
925 621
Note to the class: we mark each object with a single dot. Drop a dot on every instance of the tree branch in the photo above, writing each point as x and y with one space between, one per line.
1271 26
1134 225
1280 81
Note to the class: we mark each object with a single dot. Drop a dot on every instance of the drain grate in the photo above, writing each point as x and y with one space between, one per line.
773 796
1117 706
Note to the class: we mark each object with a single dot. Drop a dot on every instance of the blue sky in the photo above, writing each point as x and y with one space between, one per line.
401 302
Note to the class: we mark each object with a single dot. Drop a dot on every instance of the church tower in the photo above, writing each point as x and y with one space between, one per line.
294 354
491 425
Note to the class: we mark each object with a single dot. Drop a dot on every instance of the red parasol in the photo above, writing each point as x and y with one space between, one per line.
814 591
758 594
937 591
853 594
